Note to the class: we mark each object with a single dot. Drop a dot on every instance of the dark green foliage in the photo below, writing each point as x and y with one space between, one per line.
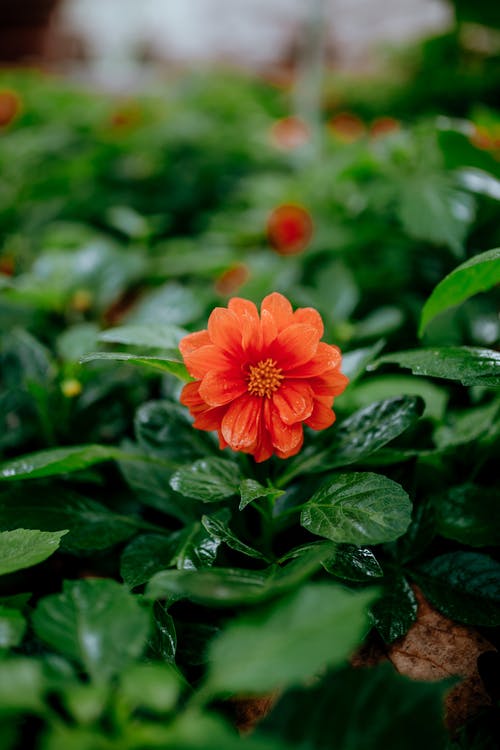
146 575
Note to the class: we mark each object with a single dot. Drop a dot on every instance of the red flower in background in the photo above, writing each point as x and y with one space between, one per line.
259 379
347 127
289 229
10 106
383 126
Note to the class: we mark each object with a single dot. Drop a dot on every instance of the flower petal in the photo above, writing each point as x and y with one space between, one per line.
248 324
295 346
240 424
311 317
327 357
193 341
331 383
218 388
294 401
224 330
210 419
285 438
206 358
322 416
279 307
269 328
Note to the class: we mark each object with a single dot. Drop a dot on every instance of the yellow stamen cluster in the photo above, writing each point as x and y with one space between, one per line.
264 378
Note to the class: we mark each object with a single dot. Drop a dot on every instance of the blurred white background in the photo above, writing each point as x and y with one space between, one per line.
256 33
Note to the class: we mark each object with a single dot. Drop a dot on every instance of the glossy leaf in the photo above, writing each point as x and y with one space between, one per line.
354 363
95 622
465 586
22 548
231 586
469 514
145 556
315 627
374 708
358 508
58 461
219 530
370 428
478 274
170 365
208 480
251 490
359 436
91 526
353 563
396 610
469 365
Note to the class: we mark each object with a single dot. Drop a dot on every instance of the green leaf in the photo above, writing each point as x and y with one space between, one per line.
374 389
149 481
353 563
145 556
95 622
208 480
469 514
171 365
23 548
467 425
315 627
478 274
231 586
465 586
12 627
58 461
196 548
361 709
91 526
76 340
368 429
218 530
163 429
431 209
251 490
166 336
358 508
362 434
21 685
354 363
154 687
470 365
396 610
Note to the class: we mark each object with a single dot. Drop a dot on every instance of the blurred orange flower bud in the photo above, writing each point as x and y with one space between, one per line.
289 133
232 279
10 106
289 229
347 127
382 126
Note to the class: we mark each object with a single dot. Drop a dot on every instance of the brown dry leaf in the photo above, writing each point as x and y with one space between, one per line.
435 648
247 712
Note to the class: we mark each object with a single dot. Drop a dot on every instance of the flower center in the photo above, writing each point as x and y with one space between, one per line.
264 378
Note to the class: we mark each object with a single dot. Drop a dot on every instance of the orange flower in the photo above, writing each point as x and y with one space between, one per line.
289 229
347 127
383 126
289 133
10 106
259 379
